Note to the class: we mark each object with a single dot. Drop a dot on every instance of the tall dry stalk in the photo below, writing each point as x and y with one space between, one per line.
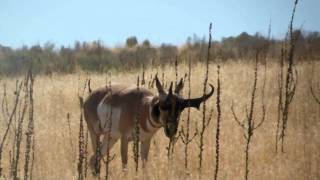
69 130
151 81
30 131
86 164
218 104
14 130
290 81
176 70
143 81
163 80
137 132
185 135
81 137
32 155
248 125
314 94
205 120
173 140
89 86
4 104
108 134
280 95
170 147
19 133
86 138
9 122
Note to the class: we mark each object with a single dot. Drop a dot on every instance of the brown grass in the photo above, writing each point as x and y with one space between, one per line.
56 158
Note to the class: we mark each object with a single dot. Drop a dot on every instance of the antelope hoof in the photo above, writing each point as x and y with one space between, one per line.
124 169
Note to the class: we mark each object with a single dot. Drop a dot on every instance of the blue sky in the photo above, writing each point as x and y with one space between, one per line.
164 21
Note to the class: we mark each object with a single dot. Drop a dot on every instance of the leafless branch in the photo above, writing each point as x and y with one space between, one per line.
236 118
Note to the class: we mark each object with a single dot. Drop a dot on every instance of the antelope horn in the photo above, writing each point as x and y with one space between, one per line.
179 86
195 102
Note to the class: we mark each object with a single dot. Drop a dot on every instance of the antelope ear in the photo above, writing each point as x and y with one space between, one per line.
159 86
179 86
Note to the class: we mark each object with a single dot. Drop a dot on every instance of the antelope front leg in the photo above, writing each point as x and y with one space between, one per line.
106 145
93 160
124 152
94 140
145 146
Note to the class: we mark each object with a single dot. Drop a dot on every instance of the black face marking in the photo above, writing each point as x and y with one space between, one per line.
155 110
171 109
171 105
165 106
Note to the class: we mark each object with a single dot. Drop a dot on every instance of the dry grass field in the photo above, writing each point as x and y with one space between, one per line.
56 148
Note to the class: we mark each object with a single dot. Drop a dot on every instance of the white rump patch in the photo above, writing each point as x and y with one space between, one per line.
107 113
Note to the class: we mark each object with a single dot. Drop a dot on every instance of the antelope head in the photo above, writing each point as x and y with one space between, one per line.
171 104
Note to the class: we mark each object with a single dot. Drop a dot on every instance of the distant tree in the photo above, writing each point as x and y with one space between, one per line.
67 60
312 41
145 54
36 49
146 43
194 49
189 41
167 53
131 41
48 46
77 46
94 56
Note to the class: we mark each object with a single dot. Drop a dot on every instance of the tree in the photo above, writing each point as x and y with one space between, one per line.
167 53
146 43
131 41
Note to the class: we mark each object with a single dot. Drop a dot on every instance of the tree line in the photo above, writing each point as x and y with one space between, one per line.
96 56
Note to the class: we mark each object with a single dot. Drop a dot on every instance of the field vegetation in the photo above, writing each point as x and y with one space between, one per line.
263 121
56 127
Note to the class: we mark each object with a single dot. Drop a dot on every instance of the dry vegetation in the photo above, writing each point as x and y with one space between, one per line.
56 120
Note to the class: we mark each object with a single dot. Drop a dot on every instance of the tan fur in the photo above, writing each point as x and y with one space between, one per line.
131 103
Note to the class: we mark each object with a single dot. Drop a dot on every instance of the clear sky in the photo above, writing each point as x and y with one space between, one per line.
62 22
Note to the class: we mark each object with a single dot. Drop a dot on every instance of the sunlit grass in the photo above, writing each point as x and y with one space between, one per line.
56 158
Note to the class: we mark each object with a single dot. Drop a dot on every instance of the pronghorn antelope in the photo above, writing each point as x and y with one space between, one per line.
118 104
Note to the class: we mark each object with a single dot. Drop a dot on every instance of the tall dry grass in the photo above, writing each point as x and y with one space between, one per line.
56 158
